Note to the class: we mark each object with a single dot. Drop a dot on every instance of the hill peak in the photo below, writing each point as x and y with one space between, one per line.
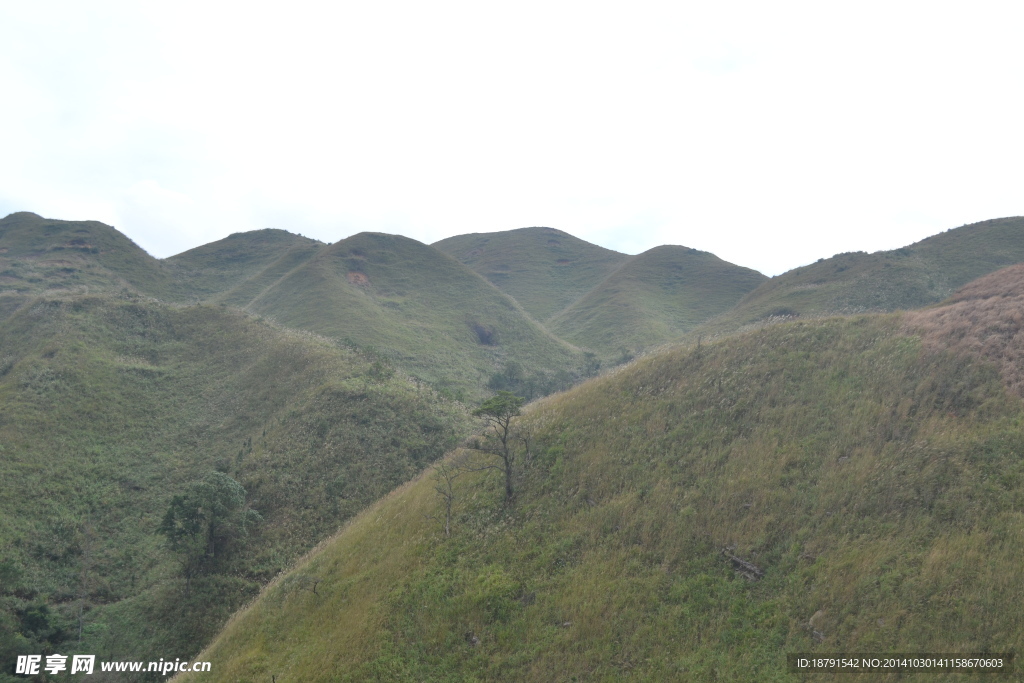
20 216
542 268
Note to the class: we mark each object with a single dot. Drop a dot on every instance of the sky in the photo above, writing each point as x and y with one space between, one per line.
771 134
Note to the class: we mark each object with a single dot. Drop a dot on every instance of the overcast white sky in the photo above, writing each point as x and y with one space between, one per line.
769 133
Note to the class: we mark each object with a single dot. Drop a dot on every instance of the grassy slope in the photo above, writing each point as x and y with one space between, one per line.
543 269
923 273
41 255
110 407
230 263
428 313
653 298
875 479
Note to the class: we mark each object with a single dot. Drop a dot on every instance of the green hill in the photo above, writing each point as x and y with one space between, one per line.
910 277
416 306
842 485
543 269
243 263
111 407
652 299
40 255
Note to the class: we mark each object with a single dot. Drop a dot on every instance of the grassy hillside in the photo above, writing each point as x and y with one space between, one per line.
416 306
653 298
923 273
45 255
111 407
984 318
543 269
842 485
241 262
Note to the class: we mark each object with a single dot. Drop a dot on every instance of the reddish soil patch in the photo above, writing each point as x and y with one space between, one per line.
563 262
358 279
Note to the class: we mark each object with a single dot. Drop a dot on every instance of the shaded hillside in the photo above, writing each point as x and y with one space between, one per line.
543 269
653 298
246 262
418 307
829 486
109 408
46 255
923 273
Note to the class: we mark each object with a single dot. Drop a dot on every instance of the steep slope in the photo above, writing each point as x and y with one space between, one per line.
653 298
825 486
46 255
923 273
109 408
415 305
242 261
543 269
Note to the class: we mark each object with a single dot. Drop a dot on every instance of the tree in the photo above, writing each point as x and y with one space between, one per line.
203 524
499 411
444 476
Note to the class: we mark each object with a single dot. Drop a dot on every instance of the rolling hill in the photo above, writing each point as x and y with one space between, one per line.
653 298
599 299
416 306
401 300
841 485
241 265
40 255
917 275
544 269
110 407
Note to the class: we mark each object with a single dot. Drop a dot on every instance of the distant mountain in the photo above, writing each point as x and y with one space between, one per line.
423 310
600 299
238 267
544 269
652 299
910 277
847 484
46 255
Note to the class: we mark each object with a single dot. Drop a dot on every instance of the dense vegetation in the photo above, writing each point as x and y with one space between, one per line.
113 407
175 433
827 486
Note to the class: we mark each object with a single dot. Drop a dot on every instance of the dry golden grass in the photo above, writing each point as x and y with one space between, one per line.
986 318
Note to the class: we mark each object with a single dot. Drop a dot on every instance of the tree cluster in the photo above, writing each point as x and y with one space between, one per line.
204 524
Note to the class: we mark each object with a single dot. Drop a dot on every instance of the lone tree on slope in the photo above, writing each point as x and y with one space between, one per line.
499 411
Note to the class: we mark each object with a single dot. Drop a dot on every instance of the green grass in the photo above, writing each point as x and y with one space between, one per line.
109 407
544 269
424 311
875 482
652 299
910 277
240 264
40 255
